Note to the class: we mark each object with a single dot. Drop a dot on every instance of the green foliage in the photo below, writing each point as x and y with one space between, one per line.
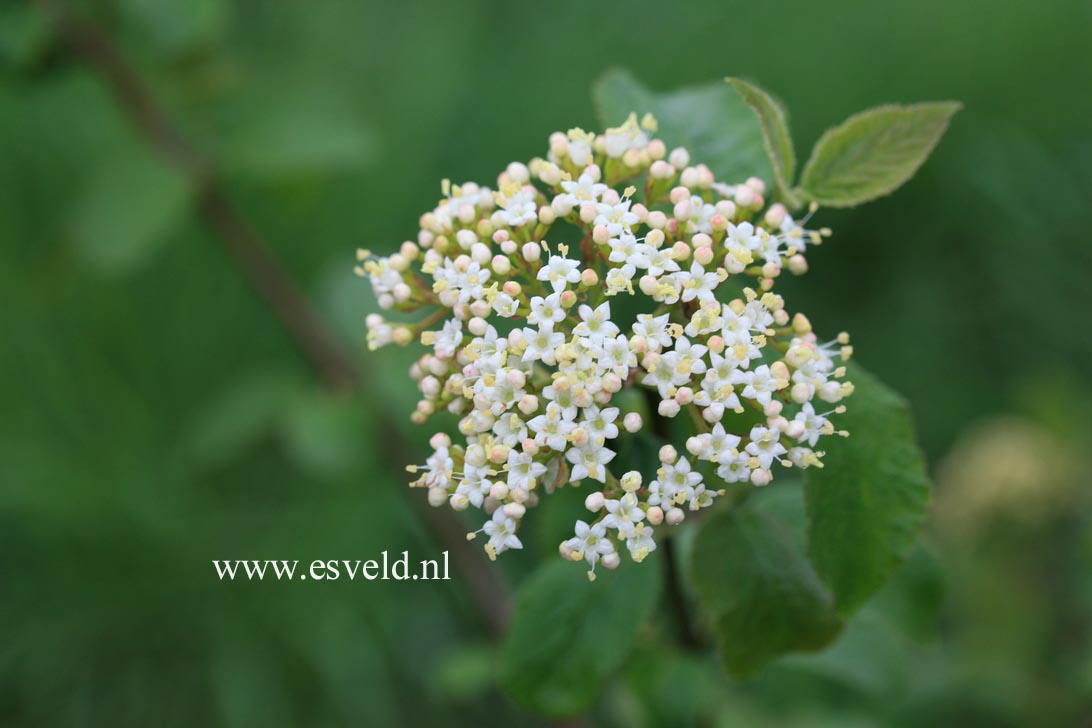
775 136
567 635
873 153
761 595
709 120
868 501
869 155
128 210
866 505
129 459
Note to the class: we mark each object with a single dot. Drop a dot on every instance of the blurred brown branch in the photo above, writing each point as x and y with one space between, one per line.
264 272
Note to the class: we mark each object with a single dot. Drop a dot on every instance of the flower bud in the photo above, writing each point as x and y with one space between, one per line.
594 501
760 477
668 408
684 396
518 173
532 252
675 516
657 220
679 157
661 170
668 454
632 422
776 215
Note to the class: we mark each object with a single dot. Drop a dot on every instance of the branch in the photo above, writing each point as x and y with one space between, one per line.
269 279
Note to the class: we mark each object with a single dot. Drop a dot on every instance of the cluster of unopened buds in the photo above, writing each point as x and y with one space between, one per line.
665 284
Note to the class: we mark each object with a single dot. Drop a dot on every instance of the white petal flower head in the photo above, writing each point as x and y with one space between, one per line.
552 365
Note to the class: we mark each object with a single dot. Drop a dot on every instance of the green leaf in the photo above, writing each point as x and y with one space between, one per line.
568 634
874 152
128 209
867 502
775 135
315 136
713 123
760 594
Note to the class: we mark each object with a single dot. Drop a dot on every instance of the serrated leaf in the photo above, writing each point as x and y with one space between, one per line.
874 152
868 501
758 591
712 122
568 635
128 209
775 136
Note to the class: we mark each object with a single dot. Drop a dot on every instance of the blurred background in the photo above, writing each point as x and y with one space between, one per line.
155 415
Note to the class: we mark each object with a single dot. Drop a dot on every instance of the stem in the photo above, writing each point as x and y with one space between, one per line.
269 279
688 635
676 598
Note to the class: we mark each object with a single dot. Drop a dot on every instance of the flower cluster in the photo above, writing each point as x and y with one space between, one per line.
609 265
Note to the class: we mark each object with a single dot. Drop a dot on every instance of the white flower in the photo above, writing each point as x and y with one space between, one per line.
640 543
676 484
505 305
590 543
600 423
552 427
616 218
623 514
595 324
743 235
812 425
659 261
764 445
587 189
588 462
523 471
502 532
653 328
543 343
627 249
559 271
700 213
519 208
546 309
618 356
620 140
718 445
735 470
449 338
698 284
758 385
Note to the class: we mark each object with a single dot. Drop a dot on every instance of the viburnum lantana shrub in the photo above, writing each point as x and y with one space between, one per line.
524 339
617 298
